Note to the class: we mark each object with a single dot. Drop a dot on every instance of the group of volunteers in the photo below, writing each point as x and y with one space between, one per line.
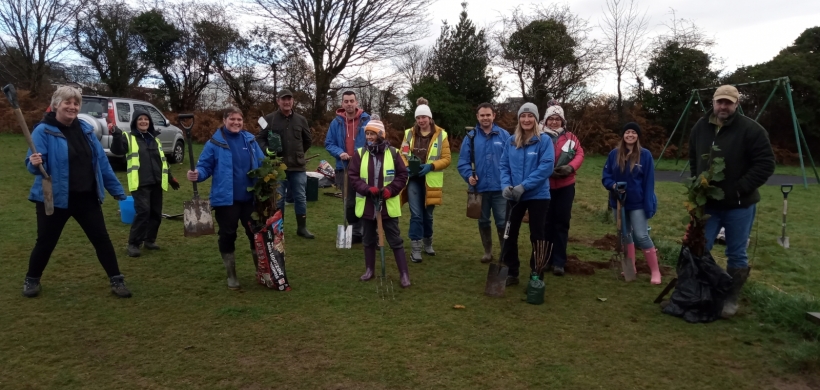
528 175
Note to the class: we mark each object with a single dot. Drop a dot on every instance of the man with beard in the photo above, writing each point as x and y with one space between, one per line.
744 146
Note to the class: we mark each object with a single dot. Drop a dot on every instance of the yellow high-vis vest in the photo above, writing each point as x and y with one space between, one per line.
133 163
433 179
393 204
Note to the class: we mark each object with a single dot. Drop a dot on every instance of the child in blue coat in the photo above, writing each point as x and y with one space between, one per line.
526 166
633 164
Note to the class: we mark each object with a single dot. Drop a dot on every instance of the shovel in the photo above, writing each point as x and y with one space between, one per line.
344 232
497 273
48 193
197 212
620 259
783 240
385 286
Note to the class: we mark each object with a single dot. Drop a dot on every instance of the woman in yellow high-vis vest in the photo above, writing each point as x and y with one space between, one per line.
148 176
428 143
378 174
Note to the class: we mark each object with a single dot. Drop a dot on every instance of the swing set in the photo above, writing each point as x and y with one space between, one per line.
778 83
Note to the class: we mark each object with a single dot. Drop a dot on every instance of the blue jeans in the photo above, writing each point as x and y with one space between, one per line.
294 183
637 229
492 201
421 216
738 224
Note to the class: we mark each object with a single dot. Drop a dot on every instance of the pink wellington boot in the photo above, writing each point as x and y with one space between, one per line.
651 256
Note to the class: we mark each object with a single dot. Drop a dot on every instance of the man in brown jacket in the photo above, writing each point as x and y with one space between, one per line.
288 135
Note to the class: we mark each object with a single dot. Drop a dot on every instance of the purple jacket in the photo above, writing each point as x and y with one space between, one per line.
362 188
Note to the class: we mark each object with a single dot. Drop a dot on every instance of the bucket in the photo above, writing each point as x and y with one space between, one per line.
127 210
312 189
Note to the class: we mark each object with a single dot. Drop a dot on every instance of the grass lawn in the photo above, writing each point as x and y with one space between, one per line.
183 329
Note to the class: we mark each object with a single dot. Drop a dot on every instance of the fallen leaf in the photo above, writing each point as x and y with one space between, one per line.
602 299
458 307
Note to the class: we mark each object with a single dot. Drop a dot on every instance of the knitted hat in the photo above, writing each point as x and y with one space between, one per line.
529 107
631 126
555 110
375 126
423 109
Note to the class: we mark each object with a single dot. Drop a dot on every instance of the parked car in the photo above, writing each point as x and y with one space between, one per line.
103 113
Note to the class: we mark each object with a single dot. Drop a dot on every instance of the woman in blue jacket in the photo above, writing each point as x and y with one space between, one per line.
73 157
632 164
526 166
230 154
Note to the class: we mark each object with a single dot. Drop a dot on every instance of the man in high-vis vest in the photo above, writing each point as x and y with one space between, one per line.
378 175
148 176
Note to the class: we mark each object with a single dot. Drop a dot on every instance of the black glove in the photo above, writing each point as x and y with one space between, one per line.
174 183
563 171
117 132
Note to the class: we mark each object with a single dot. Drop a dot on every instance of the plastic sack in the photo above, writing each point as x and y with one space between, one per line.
701 289
473 204
326 170
270 250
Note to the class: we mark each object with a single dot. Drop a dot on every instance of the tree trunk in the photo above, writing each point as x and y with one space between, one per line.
620 102
320 100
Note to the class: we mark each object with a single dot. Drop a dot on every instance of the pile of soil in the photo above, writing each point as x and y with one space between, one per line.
575 266
606 243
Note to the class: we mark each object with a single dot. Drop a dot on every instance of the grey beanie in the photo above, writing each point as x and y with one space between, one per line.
529 107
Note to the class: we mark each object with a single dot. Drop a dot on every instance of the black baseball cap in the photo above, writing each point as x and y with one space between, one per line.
284 93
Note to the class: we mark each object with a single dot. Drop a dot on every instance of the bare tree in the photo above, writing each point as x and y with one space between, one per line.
563 80
412 64
684 32
338 33
104 36
624 27
31 35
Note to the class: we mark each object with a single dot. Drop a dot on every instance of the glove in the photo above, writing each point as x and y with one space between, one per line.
117 132
120 197
386 193
508 193
563 171
174 183
373 191
425 169
517 192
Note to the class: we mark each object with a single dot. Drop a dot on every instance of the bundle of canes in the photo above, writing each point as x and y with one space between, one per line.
542 253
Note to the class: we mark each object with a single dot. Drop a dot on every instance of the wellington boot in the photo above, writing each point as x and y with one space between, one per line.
230 267
487 241
401 264
428 246
651 256
500 232
415 253
301 229
739 277
369 263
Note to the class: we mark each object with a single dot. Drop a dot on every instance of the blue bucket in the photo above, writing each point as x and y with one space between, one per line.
127 210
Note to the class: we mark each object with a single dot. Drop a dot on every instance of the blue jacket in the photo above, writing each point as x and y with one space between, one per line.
216 161
51 143
335 139
640 182
488 151
530 165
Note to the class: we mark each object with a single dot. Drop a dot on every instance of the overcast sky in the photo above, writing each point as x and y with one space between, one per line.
746 32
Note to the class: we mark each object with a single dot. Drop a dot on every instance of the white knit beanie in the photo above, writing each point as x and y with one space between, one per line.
423 110
555 110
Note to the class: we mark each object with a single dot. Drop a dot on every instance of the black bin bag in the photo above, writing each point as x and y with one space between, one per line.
701 290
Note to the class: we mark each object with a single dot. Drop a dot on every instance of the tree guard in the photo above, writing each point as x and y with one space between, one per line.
798 132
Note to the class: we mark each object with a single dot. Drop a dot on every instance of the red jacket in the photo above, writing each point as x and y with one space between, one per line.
575 163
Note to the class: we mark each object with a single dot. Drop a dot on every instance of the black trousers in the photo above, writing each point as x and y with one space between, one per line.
148 207
557 228
538 209
228 218
392 235
85 208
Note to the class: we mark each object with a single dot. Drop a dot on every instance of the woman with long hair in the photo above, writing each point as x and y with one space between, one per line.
633 165
526 164
428 143
230 154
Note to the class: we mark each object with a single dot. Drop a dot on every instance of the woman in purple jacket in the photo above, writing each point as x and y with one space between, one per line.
378 174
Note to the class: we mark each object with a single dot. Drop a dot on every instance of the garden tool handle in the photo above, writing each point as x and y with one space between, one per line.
785 189
379 226
621 185
11 95
344 197
181 119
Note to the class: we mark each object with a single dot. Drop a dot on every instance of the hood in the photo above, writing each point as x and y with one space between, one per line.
342 113
136 115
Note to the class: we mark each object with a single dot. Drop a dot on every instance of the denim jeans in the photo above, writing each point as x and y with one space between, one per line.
738 224
294 184
492 201
637 229
421 216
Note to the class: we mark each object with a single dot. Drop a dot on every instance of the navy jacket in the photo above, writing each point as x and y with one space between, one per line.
640 182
